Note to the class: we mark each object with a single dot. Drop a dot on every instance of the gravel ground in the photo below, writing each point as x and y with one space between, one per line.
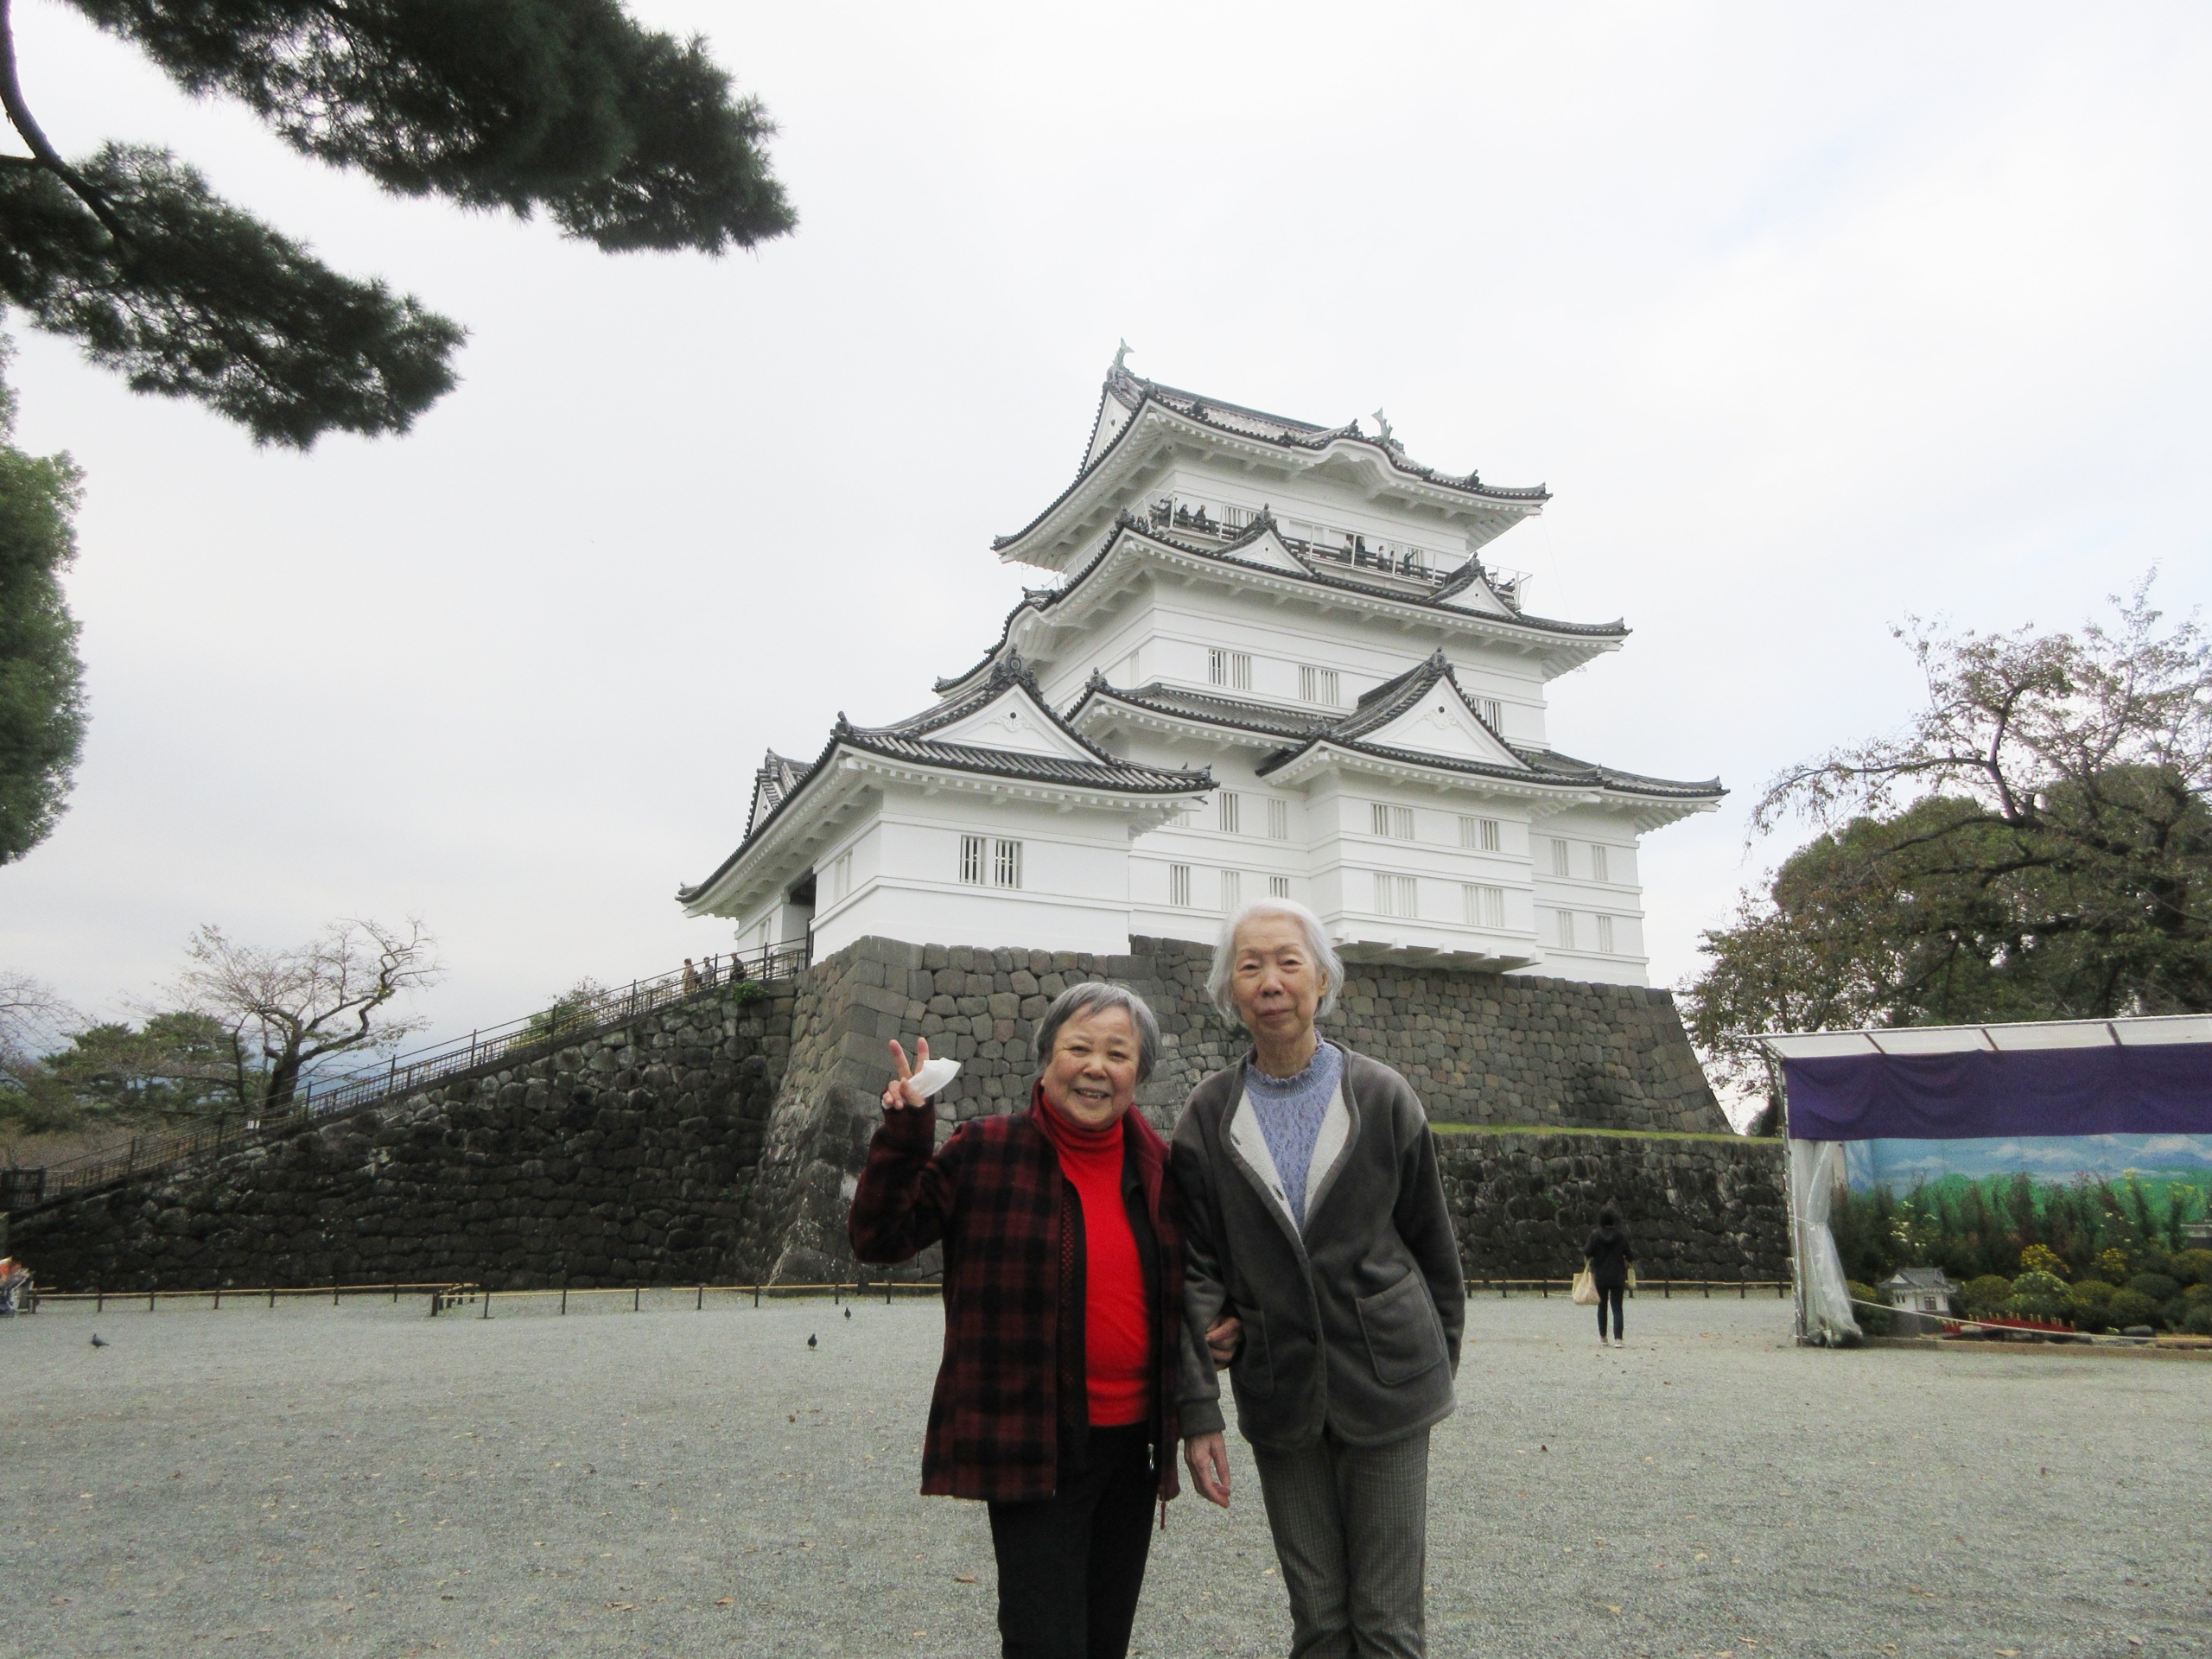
370 1481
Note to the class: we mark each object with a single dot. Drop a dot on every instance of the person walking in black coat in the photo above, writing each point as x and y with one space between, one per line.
1610 1253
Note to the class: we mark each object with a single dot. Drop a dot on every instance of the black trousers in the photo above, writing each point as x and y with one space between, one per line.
1613 1295
1070 1566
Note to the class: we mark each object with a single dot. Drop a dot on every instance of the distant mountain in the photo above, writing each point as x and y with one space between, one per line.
2181 1160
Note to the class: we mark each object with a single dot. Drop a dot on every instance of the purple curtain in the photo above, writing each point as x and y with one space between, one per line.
2164 1089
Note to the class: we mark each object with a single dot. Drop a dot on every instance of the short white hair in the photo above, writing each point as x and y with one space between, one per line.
1317 944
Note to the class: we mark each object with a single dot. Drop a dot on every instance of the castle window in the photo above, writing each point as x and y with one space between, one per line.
1559 858
971 860
1278 886
1178 886
1236 519
1230 668
1485 906
1227 812
1565 926
1232 891
1396 895
1321 685
1480 834
1493 713
1394 822
1605 935
1279 820
1598 861
1006 865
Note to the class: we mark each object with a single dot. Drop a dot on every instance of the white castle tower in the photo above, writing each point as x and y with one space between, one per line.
1272 661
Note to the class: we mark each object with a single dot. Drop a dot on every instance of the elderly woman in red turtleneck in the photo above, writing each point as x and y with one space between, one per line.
1055 1400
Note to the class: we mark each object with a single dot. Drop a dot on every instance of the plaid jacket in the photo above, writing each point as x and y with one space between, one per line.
1010 1384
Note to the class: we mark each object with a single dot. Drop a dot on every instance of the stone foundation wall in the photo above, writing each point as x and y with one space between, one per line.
1696 1206
1479 1048
719 1140
623 1160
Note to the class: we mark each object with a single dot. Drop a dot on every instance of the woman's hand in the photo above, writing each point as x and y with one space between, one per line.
1207 1456
903 1090
1223 1339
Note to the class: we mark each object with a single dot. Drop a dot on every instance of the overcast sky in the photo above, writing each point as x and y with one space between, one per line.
1811 318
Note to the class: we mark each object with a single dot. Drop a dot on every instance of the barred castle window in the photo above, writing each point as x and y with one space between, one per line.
1485 907
1321 685
1178 886
1480 834
971 860
1278 886
1395 821
1598 861
1230 668
1006 870
1227 814
1278 820
1233 891
1397 895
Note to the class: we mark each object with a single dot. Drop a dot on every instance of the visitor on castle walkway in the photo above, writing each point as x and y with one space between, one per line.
1055 1402
1316 1223
1609 1252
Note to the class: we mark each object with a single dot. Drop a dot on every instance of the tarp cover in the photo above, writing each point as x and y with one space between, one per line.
2162 1088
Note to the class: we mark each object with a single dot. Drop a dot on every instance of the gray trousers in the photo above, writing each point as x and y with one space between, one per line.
1351 1525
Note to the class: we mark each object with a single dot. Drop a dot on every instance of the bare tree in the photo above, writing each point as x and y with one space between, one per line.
2102 742
2035 844
32 1016
289 1008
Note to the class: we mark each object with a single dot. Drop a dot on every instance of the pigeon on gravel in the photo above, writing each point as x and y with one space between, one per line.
848 1313
809 1339
98 1342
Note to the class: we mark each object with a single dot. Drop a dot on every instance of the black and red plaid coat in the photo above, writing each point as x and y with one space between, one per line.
1010 1384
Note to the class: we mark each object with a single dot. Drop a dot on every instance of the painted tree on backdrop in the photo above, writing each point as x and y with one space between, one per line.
627 138
2035 845
42 682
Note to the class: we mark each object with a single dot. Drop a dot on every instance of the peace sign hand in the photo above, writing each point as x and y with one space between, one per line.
903 1090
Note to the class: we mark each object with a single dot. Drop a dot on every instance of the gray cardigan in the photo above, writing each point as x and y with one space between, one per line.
1355 1325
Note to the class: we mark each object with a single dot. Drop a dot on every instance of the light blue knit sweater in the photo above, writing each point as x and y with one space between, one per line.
1290 1110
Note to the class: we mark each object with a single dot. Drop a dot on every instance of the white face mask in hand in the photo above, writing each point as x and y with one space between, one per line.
935 1074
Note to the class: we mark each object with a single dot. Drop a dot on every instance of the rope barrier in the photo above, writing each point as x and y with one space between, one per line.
2086 1339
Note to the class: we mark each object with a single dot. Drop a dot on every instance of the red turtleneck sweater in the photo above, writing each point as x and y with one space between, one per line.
1116 1332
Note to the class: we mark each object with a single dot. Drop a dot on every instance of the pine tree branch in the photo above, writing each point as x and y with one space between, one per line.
42 150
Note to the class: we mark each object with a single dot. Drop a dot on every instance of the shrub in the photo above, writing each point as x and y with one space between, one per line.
1877 1321
2039 1296
2156 1285
2197 1321
2091 1299
1987 1294
2041 1258
2111 1263
2130 1307
2192 1267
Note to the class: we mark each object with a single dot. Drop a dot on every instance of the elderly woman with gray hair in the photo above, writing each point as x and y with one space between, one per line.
1315 1218
1055 1400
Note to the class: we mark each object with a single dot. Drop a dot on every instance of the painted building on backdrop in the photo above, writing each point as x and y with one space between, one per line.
1270 659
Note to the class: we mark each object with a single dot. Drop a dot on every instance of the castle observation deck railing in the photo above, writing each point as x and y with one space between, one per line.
571 1019
1420 568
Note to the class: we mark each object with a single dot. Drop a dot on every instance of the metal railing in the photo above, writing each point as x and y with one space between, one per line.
532 1037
